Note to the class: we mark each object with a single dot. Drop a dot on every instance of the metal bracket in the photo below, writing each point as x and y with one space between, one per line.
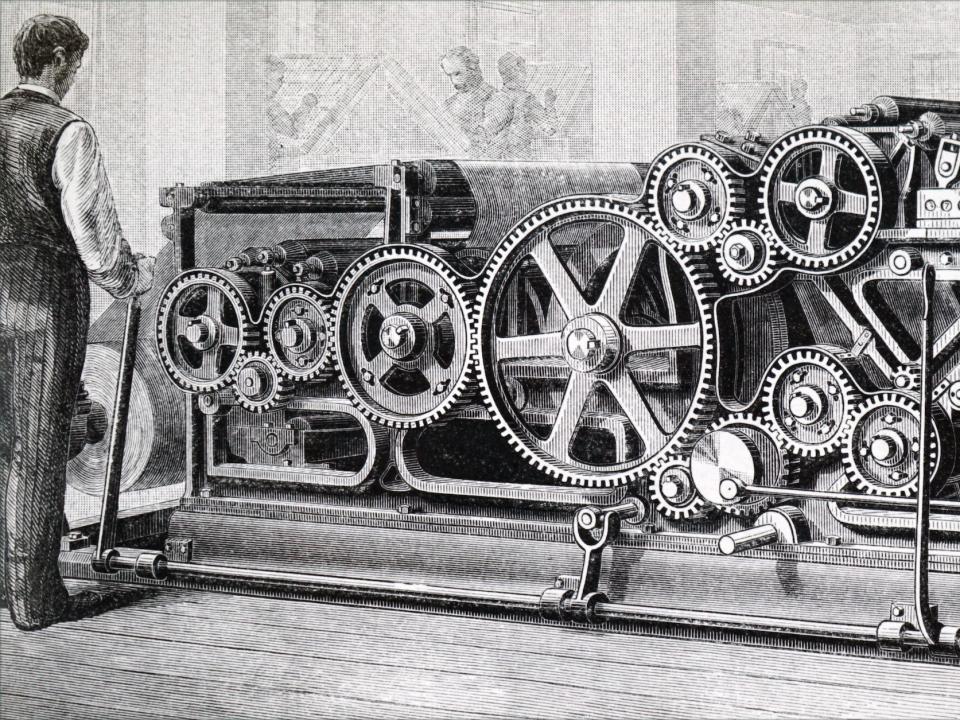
594 529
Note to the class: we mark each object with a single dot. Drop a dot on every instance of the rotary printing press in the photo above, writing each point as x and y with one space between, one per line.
715 395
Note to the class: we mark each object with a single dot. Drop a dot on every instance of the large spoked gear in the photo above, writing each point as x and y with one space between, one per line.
595 342
298 331
883 448
259 384
674 493
808 398
746 255
823 192
403 341
736 453
203 328
692 191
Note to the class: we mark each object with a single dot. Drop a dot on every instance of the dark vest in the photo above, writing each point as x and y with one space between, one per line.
30 215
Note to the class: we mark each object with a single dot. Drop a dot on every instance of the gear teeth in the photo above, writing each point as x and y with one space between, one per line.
941 441
279 389
788 465
462 306
704 290
275 312
695 235
841 400
764 270
877 177
694 507
241 297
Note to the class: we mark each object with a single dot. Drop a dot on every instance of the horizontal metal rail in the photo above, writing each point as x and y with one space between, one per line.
901 503
156 566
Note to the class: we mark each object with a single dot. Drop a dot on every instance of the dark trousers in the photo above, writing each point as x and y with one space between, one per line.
44 315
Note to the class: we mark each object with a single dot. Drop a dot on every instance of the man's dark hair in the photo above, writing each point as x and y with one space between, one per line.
38 38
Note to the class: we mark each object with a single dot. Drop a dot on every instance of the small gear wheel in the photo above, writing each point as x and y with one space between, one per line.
204 327
906 378
674 493
746 255
736 453
808 397
824 192
403 340
693 193
297 328
259 384
883 448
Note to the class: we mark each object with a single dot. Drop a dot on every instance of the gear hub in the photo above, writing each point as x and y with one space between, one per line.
822 193
403 336
203 328
883 448
296 326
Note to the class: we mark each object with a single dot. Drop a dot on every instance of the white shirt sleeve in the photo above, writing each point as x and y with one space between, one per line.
86 201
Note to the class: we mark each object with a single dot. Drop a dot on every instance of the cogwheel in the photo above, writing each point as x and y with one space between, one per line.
674 494
906 378
403 341
882 454
693 193
595 355
808 396
734 454
259 385
298 331
203 327
824 192
746 254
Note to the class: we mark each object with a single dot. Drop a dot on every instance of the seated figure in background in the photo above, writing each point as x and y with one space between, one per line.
514 117
288 137
467 104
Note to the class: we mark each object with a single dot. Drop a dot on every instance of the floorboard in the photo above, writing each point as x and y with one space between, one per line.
204 655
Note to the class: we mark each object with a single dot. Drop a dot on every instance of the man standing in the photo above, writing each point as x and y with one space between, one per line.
467 104
58 228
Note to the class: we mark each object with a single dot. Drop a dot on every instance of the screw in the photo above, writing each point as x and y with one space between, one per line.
301 361
375 287
441 387
897 611
368 377
946 259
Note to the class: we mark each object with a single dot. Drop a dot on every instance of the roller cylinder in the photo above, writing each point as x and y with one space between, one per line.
154 452
891 109
749 539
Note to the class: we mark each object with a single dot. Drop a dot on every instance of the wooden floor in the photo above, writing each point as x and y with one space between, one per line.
198 655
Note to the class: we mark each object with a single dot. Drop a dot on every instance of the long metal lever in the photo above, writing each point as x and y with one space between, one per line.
107 535
928 625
